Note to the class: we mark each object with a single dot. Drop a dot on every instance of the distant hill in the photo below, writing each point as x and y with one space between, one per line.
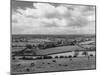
51 36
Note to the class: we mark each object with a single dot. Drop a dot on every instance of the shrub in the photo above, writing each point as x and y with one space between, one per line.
49 57
49 63
91 55
85 53
39 58
56 57
29 46
69 56
61 56
76 53
28 69
13 57
54 61
74 56
32 64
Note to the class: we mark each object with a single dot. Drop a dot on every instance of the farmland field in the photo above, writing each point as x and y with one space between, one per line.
53 65
60 49
34 53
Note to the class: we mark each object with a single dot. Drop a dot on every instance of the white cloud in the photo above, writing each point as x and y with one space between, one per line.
46 18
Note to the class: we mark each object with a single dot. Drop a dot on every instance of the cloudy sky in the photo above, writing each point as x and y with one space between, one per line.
51 18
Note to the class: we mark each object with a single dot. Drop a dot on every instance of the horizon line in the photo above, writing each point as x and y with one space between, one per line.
53 34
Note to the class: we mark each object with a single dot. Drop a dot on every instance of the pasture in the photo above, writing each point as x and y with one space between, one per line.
62 49
60 64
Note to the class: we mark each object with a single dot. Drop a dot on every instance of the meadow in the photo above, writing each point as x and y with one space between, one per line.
60 64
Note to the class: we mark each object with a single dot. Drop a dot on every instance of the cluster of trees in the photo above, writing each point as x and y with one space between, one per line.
29 49
14 46
55 44
46 45
56 57
19 40
33 52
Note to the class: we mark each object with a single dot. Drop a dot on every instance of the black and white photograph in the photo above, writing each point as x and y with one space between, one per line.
52 37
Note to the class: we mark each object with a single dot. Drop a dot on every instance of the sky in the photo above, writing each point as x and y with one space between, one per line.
52 18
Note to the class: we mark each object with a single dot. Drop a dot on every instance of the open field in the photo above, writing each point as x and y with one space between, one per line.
32 66
62 49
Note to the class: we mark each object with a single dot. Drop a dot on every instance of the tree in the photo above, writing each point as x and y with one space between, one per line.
29 49
27 69
85 53
56 57
13 57
49 57
29 46
39 57
54 61
32 64
76 53
61 56
91 55
69 56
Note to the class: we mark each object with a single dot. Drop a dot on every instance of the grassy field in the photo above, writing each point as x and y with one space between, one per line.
60 64
61 49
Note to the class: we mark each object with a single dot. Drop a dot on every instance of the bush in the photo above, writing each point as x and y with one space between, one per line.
61 56
69 56
29 46
75 56
28 69
85 53
56 57
49 63
39 58
54 61
13 58
28 58
32 64
91 55
76 53
47 57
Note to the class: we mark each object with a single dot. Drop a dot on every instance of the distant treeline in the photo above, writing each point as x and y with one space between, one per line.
50 36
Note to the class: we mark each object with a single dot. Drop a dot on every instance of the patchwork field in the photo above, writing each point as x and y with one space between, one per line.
33 54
